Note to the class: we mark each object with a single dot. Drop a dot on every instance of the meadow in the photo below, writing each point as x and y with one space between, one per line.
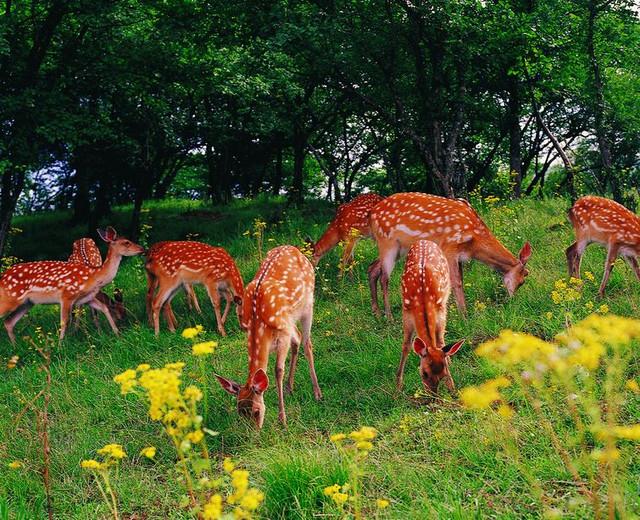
432 459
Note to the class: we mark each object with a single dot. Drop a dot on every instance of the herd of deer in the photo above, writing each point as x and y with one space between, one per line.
436 234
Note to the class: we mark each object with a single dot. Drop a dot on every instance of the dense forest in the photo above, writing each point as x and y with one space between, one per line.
107 102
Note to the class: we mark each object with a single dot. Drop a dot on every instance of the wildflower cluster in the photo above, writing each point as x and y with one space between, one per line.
353 449
577 378
13 362
110 456
570 294
176 408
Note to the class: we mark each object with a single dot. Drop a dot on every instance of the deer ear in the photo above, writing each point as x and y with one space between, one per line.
451 349
419 347
259 381
108 235
525 253
230 386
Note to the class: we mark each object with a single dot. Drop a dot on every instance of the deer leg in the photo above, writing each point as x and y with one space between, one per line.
94 317
305 321
456 285
214 296
388 263
293 360
409 328
633 262
192 299
152 285
612 253
228 298
65 311
169 316
104 309
164 293
281 357
374 271
574 257
14 317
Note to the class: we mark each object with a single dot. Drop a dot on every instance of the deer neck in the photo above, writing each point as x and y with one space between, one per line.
327 241
490 251
260 338
107 272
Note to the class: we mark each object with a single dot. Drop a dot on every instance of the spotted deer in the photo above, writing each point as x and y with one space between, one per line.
192 299
350 225
171 265
402 219
280 295
65 283
85 251
604 221
425 295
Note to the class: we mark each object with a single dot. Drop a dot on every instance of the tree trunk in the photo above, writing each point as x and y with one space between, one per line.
599 105
513 122
299 148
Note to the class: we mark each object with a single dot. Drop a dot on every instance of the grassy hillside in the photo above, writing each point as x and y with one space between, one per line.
443 461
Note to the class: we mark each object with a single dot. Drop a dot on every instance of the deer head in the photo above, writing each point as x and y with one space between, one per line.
121 246
250 397
515 276
434 362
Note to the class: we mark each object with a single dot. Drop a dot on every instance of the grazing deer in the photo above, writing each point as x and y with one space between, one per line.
402 219
64 283
171 265
596 219
280 295
192 299
350 224
425 295
85 251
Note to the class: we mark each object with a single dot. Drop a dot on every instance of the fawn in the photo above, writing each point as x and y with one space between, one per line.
171 265
604 221
280 295
425 295
401 219
64 283
85 251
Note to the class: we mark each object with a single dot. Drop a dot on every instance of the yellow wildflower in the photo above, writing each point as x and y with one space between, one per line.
195 436
482 396
337 437
213 508
126 380
114 451
365 433
511 348
630 433
588 305
190 332
382 503
331 490
149 452
143 367
364 445
228 465
606 455
16 464
589 276
479 306
91 464
202 349
192 393
548 315
633 385
603 309
340 498
252 499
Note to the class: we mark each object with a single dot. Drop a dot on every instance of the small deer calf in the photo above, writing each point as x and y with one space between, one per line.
425 295
604 221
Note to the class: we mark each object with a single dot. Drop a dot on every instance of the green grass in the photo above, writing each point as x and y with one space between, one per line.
447 466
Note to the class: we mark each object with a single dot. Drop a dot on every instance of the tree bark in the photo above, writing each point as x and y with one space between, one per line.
513 122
